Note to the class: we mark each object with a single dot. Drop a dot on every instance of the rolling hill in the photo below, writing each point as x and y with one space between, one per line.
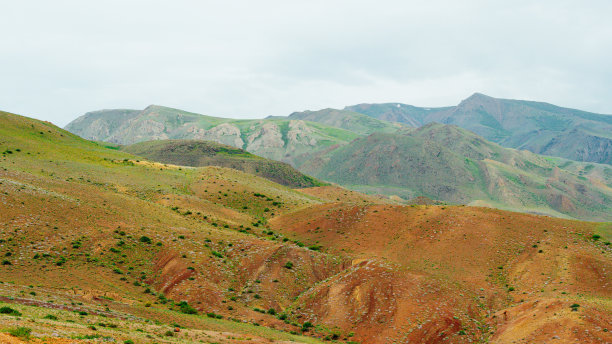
355 150
348 120
101 245
207 153
445 162
539 127
282 139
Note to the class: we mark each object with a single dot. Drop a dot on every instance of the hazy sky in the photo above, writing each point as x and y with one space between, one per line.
247 59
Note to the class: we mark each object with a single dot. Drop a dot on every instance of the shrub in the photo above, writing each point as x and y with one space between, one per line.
289 265
21 332
9 311
271 311
186 308
145 239
306 326
50 317
61 261
6 262
596 237
169 333
214 315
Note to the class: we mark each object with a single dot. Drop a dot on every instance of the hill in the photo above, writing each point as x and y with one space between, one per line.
281 139
352 121
99 244
539 127
207 153
451 164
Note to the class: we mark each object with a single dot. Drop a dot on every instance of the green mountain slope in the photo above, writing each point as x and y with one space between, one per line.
99 245
452 164
207 153
349 120
397 112
535 126
288 140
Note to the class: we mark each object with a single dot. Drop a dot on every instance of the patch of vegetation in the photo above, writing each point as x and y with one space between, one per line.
21 332
9 311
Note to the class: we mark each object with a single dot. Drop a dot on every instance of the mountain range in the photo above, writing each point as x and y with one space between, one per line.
101 245
457 154
534 126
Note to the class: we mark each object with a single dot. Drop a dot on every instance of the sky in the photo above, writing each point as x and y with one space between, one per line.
251 59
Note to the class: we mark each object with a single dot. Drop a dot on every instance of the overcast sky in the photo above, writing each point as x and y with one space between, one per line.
248 59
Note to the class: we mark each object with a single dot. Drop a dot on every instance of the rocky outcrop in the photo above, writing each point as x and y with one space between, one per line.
265 137
223 133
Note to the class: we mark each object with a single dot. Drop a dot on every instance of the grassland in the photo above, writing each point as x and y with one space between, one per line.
97 237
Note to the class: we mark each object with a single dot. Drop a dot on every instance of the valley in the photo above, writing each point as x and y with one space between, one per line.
99 243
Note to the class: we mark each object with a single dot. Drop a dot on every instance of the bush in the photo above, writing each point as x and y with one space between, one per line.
169 333
289 265
9 311
596 237
271 311
186 308
145 239
214 315
21 332
306 326
50 317
61 261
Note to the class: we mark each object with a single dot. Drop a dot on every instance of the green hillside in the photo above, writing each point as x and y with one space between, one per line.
452 164
288 140
207 153
349 120
535 126
100 245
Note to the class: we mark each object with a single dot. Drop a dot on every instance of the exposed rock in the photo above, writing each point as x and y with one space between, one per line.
223 133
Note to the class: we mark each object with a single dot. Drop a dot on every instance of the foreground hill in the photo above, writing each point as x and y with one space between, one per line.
207 153
448 163
99 244
535 126
282 139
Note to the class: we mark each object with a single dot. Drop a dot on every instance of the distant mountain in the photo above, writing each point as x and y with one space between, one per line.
150 252
535 126
440 161
282 139
448 163
207 153
349 120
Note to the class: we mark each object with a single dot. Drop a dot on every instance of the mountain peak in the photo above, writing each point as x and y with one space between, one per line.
478 97
477 100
